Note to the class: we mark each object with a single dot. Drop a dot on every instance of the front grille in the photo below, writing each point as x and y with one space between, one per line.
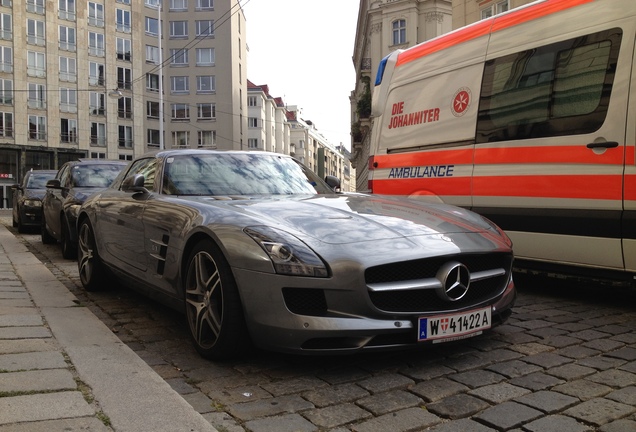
427 300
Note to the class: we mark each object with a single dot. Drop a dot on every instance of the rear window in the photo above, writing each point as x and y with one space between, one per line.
558 89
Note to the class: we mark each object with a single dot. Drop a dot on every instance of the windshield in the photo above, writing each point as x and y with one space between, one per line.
239 174
101 175
38 180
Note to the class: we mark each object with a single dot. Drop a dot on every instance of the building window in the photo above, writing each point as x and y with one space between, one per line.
98 155
67 39
205 4
66 10
152 109
152 82
399 32
68 130
6 92
205 28
153 3
152 26
179 57
36 64
37 96
96 74
206 111
207 139
96 44
125 137
36 32
252 143
96 14
180 111
97 103
35 6
6 59
178 29
124 1
6 27
124 78
205 56
206 84
180 84
124 107
68 69
251 101
123 21
180 138
98 134
152 138
178 5
152 54
494 9
68 100
37 127
6 124
125 157
124 49
252 122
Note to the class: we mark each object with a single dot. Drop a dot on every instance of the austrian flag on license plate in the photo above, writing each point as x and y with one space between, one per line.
445 328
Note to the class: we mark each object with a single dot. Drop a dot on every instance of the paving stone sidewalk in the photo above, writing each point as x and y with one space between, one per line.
62 369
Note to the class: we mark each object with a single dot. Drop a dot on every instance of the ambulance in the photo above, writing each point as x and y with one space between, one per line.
528 118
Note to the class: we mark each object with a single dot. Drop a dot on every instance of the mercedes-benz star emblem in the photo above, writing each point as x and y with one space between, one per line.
455 279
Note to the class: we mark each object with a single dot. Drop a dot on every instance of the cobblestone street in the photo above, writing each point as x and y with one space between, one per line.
565 361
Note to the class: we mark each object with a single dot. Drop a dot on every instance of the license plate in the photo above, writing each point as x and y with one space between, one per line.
444 328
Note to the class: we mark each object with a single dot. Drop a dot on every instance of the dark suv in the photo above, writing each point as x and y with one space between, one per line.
73 183
27 198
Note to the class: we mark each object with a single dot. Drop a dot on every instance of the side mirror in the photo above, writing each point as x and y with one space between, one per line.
134 184
333 182
54 184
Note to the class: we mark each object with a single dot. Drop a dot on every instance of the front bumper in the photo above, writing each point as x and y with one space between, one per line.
273 326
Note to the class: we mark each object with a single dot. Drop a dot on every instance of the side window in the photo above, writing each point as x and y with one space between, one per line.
554 90
64 176
147 168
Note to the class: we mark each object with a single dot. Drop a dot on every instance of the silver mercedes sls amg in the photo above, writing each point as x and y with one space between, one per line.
259 251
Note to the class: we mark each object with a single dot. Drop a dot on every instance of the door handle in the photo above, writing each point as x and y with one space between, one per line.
606 144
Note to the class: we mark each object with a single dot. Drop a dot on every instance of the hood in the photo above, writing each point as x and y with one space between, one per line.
34 193
342 219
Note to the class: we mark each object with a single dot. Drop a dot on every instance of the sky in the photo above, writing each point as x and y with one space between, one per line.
303 51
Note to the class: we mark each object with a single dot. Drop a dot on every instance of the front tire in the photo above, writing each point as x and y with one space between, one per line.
69 250
213 305
91 270
46 237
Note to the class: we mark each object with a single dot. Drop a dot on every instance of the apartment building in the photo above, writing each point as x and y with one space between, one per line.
267 126
83 79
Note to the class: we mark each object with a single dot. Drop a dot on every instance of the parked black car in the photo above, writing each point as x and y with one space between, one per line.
74 182
27 198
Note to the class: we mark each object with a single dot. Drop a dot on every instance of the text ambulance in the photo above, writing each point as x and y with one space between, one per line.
528 118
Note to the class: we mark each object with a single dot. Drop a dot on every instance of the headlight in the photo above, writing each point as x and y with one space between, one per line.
33 203
289 254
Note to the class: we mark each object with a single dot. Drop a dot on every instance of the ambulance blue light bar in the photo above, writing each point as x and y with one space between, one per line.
381 67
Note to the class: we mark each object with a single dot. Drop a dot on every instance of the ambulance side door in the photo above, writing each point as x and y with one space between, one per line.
550 138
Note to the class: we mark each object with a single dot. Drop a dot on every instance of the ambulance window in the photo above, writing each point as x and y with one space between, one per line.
557 89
